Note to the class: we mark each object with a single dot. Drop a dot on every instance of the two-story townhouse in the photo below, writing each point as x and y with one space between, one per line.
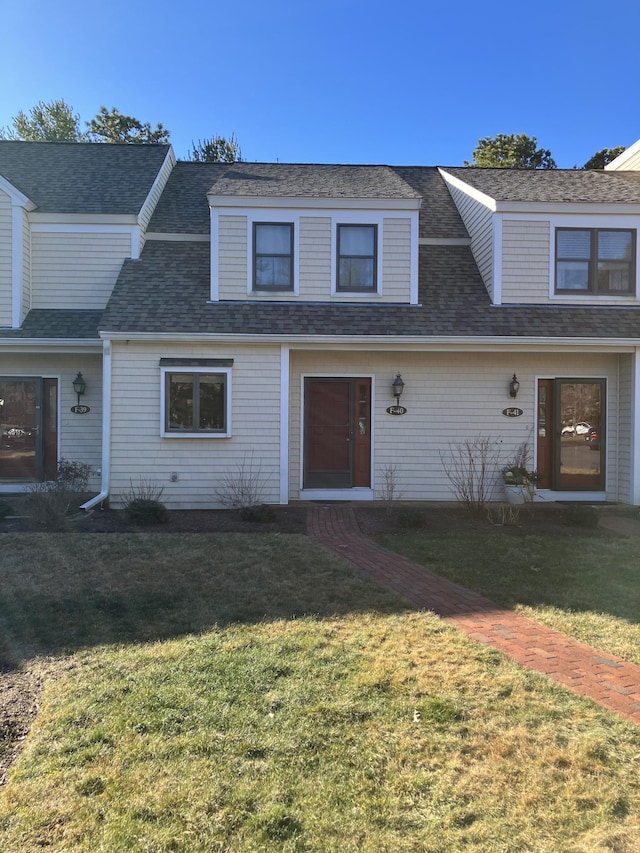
264 311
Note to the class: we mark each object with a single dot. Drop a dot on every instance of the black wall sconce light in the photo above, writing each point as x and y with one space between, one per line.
514 387
79 386
397 386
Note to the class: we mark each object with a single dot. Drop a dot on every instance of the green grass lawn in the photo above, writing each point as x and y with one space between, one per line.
253 693
587 587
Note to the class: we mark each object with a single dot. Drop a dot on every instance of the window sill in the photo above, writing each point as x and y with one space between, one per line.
195 434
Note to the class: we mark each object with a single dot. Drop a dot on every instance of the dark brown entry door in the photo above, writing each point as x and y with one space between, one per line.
337 435
28 428
571 440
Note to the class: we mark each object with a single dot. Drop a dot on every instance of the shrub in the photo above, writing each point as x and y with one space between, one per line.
5 509
262 513
145 511
49 504
411 518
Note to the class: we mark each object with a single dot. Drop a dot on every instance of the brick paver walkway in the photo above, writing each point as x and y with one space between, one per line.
608 680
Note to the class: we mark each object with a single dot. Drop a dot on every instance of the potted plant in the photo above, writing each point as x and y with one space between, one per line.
518 478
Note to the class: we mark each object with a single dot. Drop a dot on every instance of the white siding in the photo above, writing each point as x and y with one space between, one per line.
79 436
449 398
26 267
232 255
139 452
75 269
314 259
6 232
396 260
625 429
478 221
525 261
156 191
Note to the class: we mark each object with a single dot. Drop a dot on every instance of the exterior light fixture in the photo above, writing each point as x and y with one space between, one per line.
79 386
514 387
397 386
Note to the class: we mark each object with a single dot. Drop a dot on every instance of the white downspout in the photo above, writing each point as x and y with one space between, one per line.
106 429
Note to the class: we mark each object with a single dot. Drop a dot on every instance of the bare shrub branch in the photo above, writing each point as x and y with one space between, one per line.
472 467
244 486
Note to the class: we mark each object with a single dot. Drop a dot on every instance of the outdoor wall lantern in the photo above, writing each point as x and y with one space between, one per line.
397 386
514 387
79 386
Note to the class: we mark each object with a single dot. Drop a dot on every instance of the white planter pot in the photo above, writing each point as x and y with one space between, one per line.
516 495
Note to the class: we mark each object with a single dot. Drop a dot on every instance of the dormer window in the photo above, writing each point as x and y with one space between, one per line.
272 256
595 260
357 258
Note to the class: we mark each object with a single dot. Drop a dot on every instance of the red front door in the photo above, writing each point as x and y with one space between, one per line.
337 436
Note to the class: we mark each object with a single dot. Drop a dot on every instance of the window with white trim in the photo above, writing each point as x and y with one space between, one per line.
357 258
196 400
272 256
596 260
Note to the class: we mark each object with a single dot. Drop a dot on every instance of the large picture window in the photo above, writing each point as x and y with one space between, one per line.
357 258
272 256
595 260
196 403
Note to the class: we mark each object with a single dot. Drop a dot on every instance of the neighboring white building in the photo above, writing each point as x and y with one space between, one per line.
256 314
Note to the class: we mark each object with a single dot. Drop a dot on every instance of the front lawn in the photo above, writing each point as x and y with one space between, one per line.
584 586
253 693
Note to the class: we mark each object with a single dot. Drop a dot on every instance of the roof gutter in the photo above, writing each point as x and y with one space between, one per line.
106 430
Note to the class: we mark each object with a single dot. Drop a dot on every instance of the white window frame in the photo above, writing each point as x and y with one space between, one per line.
356 217
226 371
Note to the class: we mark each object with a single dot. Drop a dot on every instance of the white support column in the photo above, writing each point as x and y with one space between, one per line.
285 387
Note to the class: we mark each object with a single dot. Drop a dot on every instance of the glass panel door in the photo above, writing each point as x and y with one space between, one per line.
579 434
19 446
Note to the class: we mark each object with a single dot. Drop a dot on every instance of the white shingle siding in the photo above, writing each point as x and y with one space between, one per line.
6 266
139 452
75 269
478 221
525 261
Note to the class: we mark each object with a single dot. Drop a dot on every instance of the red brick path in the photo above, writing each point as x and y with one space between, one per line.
608 680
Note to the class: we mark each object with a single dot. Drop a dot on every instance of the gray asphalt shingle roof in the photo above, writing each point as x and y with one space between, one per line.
575 186
167 291
76 177
59 324
312 180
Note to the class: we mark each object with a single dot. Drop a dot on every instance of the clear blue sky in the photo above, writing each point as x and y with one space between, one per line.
342 81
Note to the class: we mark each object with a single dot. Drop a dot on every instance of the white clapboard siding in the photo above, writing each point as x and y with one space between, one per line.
79 436
75 269
396 260
140 453
315 258
450 398
6 232
625 428
232 257
478 221
26 266
156 191
525 261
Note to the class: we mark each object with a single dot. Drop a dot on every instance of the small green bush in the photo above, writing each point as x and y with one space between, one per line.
5 509
581 515
411 519
262 513
145 511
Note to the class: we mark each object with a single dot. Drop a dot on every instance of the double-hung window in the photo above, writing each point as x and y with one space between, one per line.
272 256
357 258
196 401
596 260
